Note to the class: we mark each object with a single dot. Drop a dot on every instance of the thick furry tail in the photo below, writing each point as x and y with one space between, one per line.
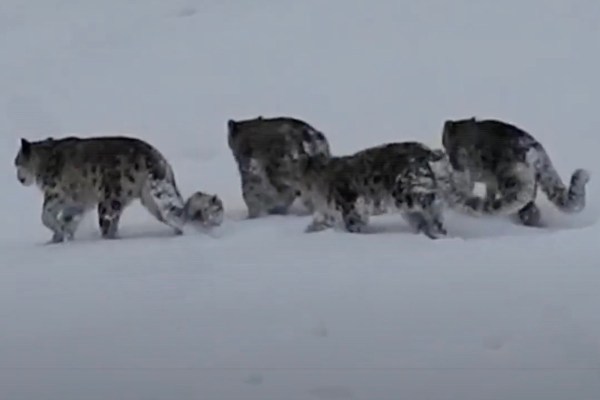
518 188
163 198
568 200
204 209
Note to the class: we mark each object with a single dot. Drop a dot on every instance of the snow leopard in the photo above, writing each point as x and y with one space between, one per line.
265 150
513 165
400 176
107 172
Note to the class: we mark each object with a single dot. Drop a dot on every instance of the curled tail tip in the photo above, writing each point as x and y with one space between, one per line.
576 194
204 209
580 177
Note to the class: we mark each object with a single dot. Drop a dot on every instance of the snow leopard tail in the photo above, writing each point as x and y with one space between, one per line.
518 190
568 200
162 198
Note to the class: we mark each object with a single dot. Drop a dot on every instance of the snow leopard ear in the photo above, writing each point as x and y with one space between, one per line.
448 127
447 133
25 147
231 129
214 199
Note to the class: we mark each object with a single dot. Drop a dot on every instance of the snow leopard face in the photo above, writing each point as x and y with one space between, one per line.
26 163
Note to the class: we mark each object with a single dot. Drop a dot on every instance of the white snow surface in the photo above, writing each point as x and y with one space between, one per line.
259 310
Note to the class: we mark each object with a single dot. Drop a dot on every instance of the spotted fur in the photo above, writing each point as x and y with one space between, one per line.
205 209
513 165
266 150
77 174
347 190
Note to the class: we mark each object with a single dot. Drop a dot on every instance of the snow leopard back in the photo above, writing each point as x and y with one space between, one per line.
380 175
275 138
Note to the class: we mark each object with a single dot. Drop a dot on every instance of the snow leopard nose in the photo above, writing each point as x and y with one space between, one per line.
21 179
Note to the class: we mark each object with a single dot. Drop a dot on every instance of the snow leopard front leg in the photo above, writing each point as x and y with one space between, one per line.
420 195
61 216
324 216
424 214
353 210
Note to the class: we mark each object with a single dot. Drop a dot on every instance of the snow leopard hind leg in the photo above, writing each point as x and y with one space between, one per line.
344 208
259 194
283 200
113 201
530 215
109 216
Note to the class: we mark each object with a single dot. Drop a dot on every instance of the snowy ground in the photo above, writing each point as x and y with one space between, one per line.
260 310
